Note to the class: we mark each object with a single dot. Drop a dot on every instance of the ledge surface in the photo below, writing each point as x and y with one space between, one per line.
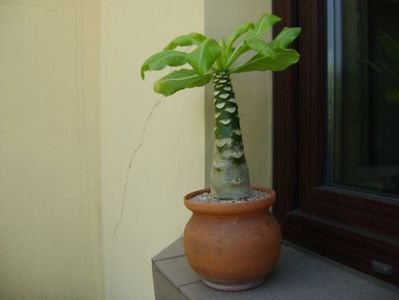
299 274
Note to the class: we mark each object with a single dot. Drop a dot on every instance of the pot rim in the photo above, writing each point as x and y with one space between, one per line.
223 208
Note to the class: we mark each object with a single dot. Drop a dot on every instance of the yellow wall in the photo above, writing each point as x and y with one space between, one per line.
162 139
84 139
50 245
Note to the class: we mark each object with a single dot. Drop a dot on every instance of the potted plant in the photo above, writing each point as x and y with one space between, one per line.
232 241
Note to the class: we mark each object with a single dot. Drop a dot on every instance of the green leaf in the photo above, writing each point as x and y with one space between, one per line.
286 37
240 30
390 46
163 59
265 22
203 57
283 59
179 80
380 67
186 40
262 47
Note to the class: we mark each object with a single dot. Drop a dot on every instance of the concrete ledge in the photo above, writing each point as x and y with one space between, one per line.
299 275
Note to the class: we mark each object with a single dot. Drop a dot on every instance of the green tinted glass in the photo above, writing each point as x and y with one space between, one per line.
363 95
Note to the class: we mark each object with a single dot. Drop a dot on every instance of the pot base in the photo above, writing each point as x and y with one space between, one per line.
234 288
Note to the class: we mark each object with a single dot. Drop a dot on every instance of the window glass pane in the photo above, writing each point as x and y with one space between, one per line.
363 95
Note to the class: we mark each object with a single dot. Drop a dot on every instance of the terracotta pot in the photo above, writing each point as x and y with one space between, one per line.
232 246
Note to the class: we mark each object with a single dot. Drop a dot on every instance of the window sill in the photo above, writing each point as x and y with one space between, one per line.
299 274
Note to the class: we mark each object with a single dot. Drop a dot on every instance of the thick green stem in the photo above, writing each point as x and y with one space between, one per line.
229 175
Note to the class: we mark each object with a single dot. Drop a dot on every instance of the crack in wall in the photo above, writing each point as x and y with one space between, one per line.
126 183
131 161
40 4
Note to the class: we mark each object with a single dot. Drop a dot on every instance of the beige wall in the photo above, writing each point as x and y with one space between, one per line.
161 139
50 244
82 138
253 90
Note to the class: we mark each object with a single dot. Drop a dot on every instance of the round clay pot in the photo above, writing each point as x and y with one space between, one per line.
232 246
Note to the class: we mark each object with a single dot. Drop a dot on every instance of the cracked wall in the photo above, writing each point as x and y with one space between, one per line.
152 147
49 151
82 135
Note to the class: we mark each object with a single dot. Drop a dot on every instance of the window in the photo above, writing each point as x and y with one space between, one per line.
336 161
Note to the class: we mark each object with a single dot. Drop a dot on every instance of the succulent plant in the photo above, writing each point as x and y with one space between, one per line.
206 59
